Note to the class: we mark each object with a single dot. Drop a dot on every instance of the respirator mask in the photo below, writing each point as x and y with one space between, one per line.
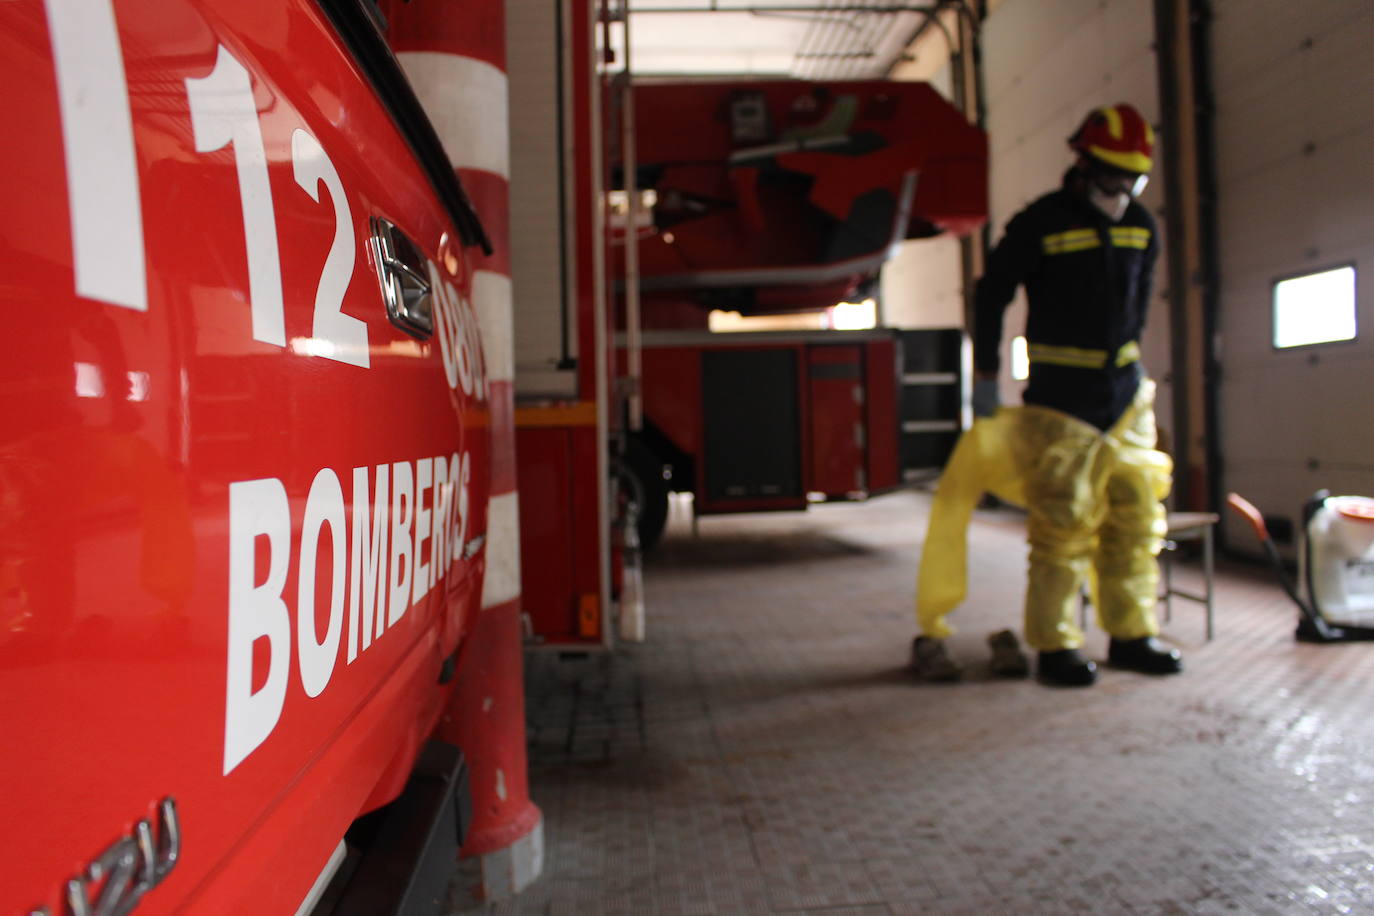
1111 191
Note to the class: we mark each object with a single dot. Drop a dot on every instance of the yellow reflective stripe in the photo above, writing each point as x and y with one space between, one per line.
1067 356
1071 235
1127 161
1130 237
1113 121
1129 353
1071 362
1069 247
1073 240
1079 358
1084 239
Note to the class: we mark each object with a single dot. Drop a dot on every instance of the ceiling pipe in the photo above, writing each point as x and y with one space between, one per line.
836 34
796 8
811 41
844 48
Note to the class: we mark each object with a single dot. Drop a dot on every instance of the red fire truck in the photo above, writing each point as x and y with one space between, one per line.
748 197
245 461
255 460
786 197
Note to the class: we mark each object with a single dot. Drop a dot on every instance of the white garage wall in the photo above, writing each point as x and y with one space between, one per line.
923 286
1294 91
1046 65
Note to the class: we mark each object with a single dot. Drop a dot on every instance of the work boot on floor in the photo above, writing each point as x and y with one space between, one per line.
931 662
1007 658
1146 655
1066 668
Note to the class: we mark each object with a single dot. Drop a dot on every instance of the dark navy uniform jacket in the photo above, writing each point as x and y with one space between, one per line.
1087 285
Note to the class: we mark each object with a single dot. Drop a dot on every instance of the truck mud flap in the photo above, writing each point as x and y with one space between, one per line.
402 857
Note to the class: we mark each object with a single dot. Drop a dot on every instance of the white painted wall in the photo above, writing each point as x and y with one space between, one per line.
1294 88
1047 63
923 287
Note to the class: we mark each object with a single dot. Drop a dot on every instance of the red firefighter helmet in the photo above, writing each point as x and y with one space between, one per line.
1118 136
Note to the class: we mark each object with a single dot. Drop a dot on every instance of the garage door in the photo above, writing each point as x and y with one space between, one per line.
1294 125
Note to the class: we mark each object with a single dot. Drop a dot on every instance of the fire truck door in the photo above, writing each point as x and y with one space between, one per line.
838 433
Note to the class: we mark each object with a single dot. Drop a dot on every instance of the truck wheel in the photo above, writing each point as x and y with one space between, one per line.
645 472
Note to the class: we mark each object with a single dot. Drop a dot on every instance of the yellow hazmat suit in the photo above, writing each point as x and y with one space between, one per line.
1094 513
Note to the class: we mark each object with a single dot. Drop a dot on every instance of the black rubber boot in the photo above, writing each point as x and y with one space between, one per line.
1146 655
1066 668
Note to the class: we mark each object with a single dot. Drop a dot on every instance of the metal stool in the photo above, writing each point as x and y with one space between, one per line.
1188 526
1183 526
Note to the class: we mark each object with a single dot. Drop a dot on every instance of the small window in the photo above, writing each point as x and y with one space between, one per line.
1020 359
1315 308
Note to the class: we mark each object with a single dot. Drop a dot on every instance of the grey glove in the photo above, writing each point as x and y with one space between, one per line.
986 398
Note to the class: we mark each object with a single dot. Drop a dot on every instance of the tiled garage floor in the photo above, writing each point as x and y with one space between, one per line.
766 752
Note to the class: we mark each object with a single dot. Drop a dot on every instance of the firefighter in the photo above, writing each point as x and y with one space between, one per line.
1080 453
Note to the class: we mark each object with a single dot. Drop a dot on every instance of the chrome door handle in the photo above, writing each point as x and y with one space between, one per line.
401 269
